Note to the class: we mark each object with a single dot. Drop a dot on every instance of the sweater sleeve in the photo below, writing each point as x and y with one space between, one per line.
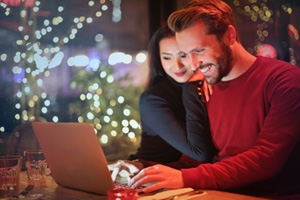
157 115
183 163
277 139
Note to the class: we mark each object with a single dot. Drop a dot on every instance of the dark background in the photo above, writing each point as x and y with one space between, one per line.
140 19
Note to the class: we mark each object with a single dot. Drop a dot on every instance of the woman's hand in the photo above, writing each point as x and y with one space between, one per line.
128 168
207 89
165 177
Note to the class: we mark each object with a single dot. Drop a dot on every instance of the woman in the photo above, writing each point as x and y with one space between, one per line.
165 104
174 120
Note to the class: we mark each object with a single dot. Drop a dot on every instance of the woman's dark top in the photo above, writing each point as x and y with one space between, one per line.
164 109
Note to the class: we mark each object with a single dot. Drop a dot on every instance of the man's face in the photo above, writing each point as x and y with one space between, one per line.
204 52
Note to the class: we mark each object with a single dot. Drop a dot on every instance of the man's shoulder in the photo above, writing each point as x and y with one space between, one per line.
276 65
277 69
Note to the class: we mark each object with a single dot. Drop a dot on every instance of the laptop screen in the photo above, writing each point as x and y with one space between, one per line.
74 155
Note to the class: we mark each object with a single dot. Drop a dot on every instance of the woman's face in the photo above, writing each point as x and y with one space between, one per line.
171 60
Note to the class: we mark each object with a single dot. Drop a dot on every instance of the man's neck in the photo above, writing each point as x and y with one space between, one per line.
241 62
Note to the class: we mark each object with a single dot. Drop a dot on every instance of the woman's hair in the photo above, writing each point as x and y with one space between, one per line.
156 71
215 14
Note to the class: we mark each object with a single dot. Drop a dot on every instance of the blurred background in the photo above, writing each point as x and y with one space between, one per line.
86 61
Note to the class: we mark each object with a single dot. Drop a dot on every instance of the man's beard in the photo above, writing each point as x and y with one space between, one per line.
223 65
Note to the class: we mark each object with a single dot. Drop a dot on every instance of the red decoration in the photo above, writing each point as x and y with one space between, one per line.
28 3
294 34
267 50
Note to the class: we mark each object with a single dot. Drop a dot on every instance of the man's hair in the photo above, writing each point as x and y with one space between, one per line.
215 14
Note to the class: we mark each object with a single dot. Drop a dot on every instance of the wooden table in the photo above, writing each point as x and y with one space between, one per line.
52 191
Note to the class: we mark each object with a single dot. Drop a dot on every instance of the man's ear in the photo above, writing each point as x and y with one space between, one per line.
231 35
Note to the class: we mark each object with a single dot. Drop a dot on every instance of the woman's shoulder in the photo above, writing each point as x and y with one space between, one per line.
163 89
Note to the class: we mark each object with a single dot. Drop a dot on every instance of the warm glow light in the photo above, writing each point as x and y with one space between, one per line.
47 103
55 119
106 119
89 20
119 57
98 14
127 59
2 129
126 112
113 133
55 39
125 129
103 74
141 57
134 124
104 7
109 111
104 139
110 79
60 9
90 115
89 96
56 61
114 124
3 57
99 37
82 97
18 106
121 99
94 64
44 110
131 135
78 61
125 122
91 3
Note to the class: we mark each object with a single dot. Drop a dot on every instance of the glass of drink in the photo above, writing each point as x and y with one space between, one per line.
10 167
36 164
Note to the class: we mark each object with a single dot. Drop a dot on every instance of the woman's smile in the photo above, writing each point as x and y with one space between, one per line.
180 73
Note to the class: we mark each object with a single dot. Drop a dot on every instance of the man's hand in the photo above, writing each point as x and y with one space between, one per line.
129 168
165 177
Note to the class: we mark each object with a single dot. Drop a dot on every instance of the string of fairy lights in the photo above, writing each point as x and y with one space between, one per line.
34 61
258 11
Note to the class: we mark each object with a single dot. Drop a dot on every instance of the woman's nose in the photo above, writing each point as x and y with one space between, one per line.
195 63
179 64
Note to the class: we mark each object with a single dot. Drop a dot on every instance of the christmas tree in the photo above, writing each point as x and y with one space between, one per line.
112 106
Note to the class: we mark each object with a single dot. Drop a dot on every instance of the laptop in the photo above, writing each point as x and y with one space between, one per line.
74 155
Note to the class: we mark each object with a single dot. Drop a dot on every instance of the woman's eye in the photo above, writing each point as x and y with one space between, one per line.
166 58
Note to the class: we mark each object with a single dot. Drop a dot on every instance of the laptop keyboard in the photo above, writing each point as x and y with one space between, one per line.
123 186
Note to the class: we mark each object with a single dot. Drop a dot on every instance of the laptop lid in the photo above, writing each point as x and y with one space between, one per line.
74 155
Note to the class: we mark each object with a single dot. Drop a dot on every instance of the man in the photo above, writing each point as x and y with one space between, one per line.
254 112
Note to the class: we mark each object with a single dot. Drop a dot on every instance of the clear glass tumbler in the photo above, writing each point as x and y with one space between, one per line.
36 164
10 168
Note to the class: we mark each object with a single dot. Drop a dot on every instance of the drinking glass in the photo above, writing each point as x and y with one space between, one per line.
36 164
10 167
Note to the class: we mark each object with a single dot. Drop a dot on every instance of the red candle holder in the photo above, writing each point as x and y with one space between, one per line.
122 194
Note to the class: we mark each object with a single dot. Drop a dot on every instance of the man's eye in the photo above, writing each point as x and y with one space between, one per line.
198 51
183 55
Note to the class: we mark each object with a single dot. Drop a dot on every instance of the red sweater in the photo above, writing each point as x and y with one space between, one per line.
255 125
